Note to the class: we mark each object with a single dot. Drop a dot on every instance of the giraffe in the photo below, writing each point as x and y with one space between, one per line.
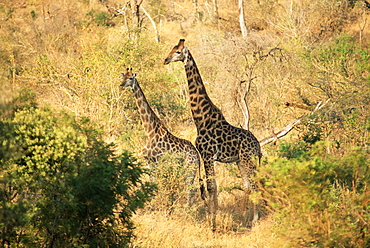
159 139
217 140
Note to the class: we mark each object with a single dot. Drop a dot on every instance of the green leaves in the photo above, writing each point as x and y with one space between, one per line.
323 194
64 185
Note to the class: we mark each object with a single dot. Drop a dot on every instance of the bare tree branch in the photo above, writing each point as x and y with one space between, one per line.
153 24
281 133
252 62
242 102
290 126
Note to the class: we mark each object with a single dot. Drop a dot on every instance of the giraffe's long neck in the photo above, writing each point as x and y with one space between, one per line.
200 104
152 124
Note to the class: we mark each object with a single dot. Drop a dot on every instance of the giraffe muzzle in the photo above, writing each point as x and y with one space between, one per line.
167 61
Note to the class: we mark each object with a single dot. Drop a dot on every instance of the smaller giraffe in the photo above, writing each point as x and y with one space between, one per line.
159 139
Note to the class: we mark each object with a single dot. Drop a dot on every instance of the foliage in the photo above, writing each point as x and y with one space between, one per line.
100 18
320 199
61 185
339 71
292 150
342 58
172 177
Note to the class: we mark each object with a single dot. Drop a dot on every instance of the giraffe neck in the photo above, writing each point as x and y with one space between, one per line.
152 124
200 104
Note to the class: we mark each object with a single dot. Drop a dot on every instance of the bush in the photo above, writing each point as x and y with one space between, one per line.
319 199
339 70
62 186
173 178
292 150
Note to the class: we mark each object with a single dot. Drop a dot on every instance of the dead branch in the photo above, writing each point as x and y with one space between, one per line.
280 134
153 24
242 102
252 62
290 126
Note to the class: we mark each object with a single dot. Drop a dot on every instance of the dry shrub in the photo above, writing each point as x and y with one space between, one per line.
310 20
172 177
171 198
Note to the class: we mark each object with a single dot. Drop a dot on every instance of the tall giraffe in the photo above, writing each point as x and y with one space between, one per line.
217 140
159 139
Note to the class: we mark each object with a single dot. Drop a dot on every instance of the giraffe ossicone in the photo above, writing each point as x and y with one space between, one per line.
217 140
159 139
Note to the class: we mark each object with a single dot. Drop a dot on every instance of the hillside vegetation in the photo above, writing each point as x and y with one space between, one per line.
65 121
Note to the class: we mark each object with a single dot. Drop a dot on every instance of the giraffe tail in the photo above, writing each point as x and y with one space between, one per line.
202 189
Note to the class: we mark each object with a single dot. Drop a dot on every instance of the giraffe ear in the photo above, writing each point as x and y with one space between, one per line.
134 75
122 74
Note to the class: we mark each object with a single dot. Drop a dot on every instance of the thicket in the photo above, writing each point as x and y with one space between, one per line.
338 70
60 184
319 199
317 185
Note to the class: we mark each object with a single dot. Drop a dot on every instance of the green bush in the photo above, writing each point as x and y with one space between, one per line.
100 18
343 56
320 199
292 150
339 70
62 186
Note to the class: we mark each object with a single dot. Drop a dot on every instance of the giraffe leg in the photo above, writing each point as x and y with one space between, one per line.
212 202
246 169
190 183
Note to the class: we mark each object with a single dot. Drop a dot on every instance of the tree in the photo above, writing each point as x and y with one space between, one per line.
65 186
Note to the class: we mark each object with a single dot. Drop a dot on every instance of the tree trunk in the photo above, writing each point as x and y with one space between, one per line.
196 6
135 8
242 102
215 12
243 28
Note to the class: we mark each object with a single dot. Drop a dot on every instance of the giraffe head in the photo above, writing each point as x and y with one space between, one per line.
178 53
128 78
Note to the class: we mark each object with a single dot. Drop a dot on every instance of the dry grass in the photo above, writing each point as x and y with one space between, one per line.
168 223
157 230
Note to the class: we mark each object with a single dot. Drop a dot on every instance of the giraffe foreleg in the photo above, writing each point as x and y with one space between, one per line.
212 202
192 168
